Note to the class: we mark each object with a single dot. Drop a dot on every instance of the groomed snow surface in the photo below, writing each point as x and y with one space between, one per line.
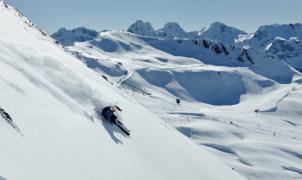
51 97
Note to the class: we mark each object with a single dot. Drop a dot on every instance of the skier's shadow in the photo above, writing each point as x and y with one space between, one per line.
112 131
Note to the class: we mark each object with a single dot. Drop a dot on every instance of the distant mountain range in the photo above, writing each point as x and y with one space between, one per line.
216 31
274 41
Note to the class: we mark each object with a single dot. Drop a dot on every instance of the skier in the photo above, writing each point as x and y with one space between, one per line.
108 114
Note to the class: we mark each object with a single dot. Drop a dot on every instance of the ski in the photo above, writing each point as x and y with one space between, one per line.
9 120
123 128
119 124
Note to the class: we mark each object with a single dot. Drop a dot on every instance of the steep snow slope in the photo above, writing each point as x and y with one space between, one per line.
51 96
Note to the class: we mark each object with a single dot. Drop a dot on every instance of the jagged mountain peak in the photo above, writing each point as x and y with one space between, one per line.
221 32
224 28
142 28
172 30
216 31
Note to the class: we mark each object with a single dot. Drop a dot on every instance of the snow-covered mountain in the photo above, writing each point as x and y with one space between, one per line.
267 33
172 30
277 41
143 52
51 97
217 53
80 34
288 50
218 31
142 28
207 51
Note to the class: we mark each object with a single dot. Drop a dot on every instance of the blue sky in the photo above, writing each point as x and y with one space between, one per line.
190 14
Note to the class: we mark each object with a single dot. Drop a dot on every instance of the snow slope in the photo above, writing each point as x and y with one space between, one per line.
211 85
117 54
241 104
51 97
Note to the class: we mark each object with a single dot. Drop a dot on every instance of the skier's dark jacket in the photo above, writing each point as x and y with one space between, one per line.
108 114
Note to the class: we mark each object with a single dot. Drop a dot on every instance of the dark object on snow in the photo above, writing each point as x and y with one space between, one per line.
178 101
108 114
105 77
5 115
123 127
